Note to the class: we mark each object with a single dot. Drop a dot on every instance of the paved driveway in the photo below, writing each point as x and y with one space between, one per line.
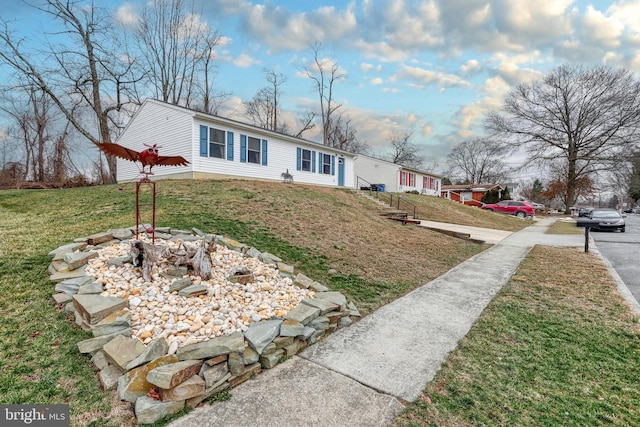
622 250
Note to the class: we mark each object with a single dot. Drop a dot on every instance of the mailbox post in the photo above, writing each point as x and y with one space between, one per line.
586 224
586 238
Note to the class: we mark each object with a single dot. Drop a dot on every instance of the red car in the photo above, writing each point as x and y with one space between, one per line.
511 207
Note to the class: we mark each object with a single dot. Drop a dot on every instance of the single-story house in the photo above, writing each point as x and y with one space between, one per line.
394 177
468 194
218 147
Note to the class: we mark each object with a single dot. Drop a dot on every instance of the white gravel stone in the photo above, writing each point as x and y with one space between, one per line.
226 308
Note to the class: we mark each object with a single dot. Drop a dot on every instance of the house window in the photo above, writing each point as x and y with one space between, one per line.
306 160
326 164
412 179
217 143
253 150
429 183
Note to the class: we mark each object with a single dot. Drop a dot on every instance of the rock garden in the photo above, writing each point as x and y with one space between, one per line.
186 315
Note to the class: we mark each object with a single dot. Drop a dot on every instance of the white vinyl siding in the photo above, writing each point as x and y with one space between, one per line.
233 149
394 178
377 172
153 123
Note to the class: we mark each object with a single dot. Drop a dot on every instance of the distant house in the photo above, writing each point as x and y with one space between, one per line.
394 177
218 147
468 194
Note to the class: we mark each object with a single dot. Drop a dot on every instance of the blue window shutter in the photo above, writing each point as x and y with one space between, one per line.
298 158
333 165
243 148
320 164
230 146
204 141
264 152
313 161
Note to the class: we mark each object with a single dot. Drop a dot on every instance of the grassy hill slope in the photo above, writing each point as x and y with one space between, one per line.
314 228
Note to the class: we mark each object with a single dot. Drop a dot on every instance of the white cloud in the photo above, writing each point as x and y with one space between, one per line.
627 12
244 61
126 16
514 75
280 29
382 50
605 31
543 18
224 41
366 67
635 61
470 66
376 81
425 76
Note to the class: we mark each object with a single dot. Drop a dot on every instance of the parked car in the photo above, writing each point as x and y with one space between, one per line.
606 219
511 207
584 212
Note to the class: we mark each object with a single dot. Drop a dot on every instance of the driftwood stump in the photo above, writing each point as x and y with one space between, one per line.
197 259
146 256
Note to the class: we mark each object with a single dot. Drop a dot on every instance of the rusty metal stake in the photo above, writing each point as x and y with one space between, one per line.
152 230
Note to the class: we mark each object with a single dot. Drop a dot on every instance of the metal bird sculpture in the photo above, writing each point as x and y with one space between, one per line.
148 157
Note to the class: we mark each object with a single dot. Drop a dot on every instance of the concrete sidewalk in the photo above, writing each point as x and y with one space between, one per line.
487 235
361 375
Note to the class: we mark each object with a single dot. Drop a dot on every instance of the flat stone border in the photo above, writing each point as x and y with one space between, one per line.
161 379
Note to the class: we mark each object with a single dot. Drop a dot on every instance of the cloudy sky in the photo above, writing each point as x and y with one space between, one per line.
430 67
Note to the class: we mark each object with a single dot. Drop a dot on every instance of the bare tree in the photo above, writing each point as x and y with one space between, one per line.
40 107
306 119
176 49
478 161
44 137
344 136
633 177
211 97
587 118
263 109
30 111
403 152
83 72
324 73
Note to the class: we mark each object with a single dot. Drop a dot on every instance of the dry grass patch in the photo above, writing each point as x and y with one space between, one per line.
345 228
565 226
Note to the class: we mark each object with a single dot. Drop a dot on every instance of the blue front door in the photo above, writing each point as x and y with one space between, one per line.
341 171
